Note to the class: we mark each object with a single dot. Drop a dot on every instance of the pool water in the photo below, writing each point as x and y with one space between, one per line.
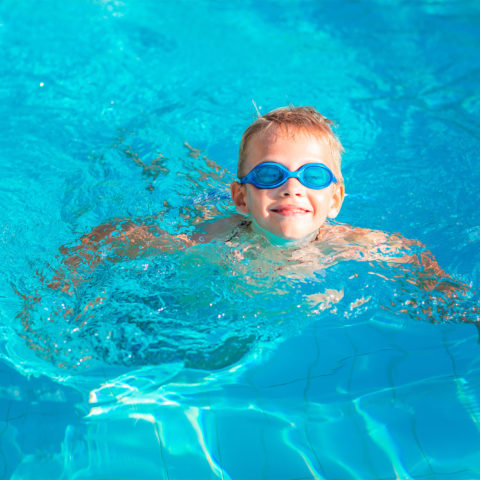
235 360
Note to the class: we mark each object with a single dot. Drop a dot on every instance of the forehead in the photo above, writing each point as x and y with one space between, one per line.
293 148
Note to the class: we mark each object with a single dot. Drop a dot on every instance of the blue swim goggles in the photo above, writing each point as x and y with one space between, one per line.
272 175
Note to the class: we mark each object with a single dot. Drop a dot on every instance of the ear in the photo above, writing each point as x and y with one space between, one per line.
239 194
336 200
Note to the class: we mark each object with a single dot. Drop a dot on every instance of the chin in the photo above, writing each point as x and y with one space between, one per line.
293 235
293 232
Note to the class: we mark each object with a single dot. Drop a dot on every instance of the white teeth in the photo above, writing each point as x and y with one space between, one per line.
293 210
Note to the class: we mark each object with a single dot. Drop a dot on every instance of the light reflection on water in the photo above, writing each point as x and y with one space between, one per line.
206 419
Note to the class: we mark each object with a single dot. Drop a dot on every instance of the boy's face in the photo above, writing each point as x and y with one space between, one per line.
290 211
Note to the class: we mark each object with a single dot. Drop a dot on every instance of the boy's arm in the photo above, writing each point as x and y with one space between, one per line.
129 239
447 298
395 249
126 239
363 244
109 242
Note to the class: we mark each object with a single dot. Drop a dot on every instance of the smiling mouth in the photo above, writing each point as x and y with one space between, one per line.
290 210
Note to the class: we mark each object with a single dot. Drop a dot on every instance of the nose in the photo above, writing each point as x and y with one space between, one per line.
292 188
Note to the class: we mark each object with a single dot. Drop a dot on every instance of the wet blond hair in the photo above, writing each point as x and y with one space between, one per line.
292 119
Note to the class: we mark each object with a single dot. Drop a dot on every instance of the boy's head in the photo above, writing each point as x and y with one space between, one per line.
290 137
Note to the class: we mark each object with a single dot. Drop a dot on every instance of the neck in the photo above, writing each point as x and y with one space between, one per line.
280 241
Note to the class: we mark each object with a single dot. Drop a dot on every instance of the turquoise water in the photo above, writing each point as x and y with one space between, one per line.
235 361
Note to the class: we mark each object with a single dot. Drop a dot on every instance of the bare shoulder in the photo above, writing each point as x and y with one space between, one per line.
368 244
365 236
218 228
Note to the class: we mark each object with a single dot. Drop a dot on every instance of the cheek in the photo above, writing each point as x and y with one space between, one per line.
257 198
321 200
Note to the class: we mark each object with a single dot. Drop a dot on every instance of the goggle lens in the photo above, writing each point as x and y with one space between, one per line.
317 176
268 175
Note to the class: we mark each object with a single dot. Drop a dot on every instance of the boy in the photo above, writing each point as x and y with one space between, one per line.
289 184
